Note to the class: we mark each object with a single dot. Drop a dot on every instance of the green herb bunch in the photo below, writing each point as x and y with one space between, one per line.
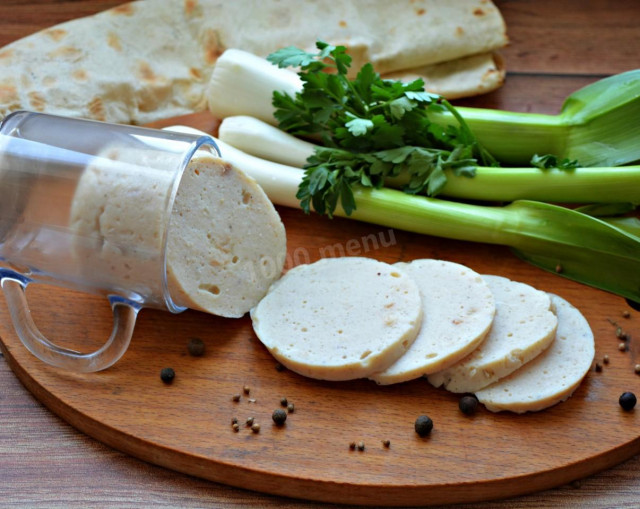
370 129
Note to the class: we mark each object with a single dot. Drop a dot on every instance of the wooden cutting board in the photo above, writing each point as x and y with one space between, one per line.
186 426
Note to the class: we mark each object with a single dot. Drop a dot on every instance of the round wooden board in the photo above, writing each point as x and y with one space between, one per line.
186 426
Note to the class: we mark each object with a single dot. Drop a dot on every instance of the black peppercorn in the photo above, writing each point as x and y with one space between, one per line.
423 425
279 416
284 402
468 404
167 375
627 401
196 347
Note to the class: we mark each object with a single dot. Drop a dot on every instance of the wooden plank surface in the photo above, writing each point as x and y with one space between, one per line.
45 463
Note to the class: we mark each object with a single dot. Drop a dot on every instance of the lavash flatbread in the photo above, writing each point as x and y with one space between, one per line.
463 77
151 59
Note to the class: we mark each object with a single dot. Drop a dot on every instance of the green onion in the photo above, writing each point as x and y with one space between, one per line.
580 185
598 124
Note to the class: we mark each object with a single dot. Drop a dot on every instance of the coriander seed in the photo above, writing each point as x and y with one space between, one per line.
249 421
423 425
246 389
622 347
284 402
361 446
468 404
290 408
195 347
255 427
167 375
627 401
605 359
626 314
236 397
279 416
637 369
235 426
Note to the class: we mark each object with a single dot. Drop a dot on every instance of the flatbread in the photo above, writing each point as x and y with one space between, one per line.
463 77
152 59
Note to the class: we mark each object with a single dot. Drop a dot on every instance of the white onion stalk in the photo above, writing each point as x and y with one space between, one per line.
597 125
582 185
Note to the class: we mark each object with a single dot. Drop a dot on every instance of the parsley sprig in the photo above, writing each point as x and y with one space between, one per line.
370 129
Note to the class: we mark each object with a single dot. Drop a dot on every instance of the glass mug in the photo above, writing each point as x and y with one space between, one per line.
50 171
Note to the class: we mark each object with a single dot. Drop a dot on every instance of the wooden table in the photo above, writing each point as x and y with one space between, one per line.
555 48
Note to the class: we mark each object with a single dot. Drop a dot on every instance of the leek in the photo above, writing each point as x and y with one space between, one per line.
597 124
587 249
582 185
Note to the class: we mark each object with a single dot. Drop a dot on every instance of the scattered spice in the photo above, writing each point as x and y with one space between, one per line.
352 446
619 333
234 420
255 427
246 389
559 269
290 408
627 401
236 397
637 369
598 367
251 400
386 443
361 446
250 420
284 402
626 314
622 347
279 367
468 404
235 426
605 359
167 375
195 347
423 425
279 416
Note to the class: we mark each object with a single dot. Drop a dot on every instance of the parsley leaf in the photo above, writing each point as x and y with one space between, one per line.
371 129
549 161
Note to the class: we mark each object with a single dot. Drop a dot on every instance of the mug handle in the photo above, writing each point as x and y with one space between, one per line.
124 318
